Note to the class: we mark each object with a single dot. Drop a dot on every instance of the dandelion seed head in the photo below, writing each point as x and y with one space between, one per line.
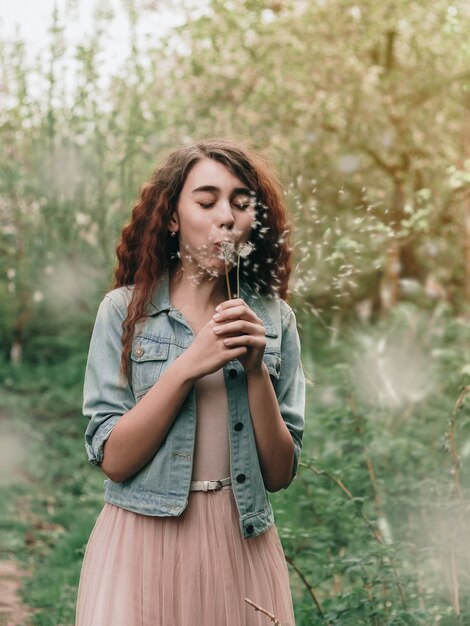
228 251
245 249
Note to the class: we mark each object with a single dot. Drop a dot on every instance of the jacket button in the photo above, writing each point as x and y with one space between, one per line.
238 426
249 529
241 478
139 351
232 373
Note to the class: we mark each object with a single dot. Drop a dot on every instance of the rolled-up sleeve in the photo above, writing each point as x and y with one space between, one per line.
106 396
291 386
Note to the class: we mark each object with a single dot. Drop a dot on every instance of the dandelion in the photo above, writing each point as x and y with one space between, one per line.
229 250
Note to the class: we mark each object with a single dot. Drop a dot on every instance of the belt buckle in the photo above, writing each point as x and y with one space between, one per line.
219 485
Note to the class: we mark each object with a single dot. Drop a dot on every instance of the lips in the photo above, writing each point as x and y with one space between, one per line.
225 246
225 250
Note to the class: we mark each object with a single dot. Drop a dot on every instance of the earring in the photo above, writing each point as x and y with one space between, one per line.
173 233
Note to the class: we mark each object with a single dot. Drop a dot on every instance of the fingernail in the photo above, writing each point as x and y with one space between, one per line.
217 308
216 316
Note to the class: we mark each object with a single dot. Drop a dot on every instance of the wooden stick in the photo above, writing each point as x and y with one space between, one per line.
272 617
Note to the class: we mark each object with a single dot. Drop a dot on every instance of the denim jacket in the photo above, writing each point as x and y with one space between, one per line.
161 487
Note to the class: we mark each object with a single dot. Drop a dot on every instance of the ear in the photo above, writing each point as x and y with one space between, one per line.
174 222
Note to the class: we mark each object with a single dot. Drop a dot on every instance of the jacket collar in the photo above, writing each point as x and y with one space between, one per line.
160 301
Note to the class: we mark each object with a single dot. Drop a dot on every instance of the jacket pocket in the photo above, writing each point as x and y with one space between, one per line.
272 360
148 357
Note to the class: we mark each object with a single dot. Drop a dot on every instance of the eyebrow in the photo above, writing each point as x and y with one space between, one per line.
212 188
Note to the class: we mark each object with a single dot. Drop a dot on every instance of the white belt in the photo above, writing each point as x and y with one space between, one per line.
210 485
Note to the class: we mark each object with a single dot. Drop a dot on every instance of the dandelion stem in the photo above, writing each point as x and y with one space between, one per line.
238 275
228 282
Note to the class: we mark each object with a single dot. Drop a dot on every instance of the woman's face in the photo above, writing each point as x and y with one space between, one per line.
213 206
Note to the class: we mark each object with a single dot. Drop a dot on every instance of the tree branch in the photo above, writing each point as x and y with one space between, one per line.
307 585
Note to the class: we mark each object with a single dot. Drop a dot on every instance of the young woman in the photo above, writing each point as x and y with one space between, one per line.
195 393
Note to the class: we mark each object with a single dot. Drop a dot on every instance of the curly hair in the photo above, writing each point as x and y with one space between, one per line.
146 250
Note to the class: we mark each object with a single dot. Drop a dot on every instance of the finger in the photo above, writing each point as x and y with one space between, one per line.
237 312
235 351
256 343
227 304
239 326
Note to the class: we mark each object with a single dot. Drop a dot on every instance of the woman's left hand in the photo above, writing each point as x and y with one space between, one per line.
238 325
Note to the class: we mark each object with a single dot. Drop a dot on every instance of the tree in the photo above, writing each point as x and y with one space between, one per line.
366 101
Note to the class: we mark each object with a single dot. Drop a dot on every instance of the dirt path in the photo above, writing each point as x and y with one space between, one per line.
12 453
12 611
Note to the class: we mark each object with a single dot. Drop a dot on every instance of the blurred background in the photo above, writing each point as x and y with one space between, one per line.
364 110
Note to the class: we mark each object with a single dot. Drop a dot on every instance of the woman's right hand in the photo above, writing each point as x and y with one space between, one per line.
208 353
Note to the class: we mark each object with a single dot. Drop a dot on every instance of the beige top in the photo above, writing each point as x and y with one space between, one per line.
212 446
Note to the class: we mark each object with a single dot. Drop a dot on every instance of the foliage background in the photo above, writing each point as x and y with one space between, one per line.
364 109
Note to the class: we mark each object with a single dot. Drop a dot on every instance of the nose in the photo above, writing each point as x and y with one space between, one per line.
225 214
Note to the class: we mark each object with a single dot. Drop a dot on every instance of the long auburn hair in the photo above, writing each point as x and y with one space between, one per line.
146 250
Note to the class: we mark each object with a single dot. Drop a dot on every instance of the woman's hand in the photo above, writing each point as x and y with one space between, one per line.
207 353
236 334
237 325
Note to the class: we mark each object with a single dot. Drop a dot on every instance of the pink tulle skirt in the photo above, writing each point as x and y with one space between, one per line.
191 570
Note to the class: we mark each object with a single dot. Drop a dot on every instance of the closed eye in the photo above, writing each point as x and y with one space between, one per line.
237 205
241 206
243 201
